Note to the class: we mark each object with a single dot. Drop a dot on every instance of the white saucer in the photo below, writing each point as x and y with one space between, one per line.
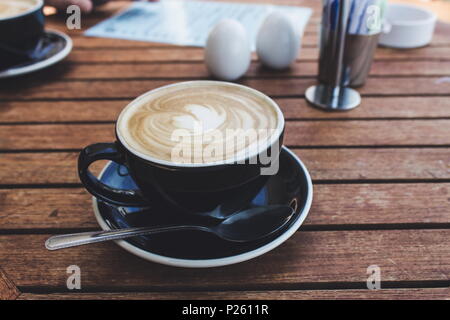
216 262
51 60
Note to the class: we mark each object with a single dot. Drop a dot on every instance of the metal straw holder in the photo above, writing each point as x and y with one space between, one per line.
333 92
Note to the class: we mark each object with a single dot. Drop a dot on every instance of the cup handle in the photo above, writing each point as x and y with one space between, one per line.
106 151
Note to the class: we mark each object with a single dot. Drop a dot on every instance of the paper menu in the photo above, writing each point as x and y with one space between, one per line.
187 22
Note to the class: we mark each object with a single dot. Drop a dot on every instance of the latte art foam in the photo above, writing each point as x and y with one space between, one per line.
10 8
214 116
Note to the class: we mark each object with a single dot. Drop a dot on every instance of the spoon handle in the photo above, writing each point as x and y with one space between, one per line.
77 239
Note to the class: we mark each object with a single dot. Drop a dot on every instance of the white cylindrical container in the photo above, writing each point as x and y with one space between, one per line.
407 26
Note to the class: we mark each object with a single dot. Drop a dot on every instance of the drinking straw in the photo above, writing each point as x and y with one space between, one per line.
362 18
326 13
351 15
334 13
356 16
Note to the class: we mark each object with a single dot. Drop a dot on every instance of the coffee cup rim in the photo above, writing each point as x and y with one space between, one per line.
274 137
39 4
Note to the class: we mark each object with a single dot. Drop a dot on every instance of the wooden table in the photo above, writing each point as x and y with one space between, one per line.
381 174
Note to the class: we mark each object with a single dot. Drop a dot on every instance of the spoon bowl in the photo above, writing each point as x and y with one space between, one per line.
254 224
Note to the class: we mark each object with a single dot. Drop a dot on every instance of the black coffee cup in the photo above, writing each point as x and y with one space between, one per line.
192 187
20 35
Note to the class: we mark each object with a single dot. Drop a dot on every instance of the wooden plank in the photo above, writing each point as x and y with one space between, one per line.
373 164
171 71
388 294
323 164
308 40
54 136
172 54
408 68
41 168
380 204
8 291
424 53
30 209
32 87
191 54
402 255
199 70
333 205
298 133
368 133
293 108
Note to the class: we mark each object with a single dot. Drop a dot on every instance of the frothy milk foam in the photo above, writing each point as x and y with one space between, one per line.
203 109
10 8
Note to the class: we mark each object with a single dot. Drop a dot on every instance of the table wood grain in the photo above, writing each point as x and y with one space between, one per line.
381 174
